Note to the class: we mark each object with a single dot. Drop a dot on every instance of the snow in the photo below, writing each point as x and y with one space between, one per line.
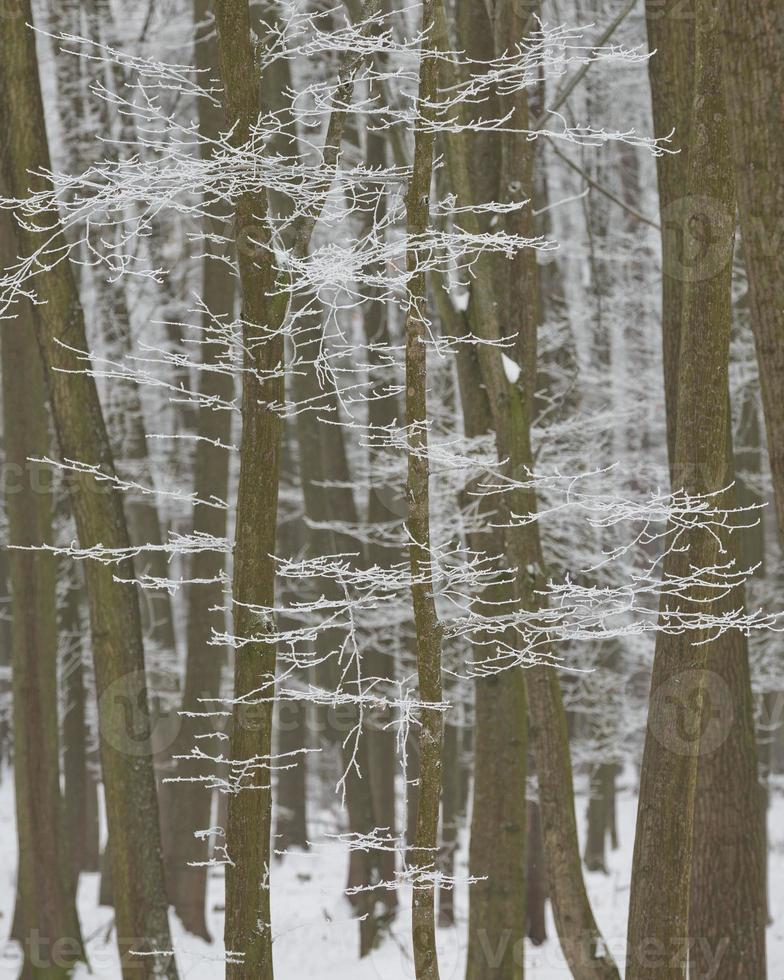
511 369
315 936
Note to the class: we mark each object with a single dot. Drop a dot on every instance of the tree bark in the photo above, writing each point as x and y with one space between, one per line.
80 784
752 49
192 801
50 935
580 938
131 802
428 628
247 932
658 912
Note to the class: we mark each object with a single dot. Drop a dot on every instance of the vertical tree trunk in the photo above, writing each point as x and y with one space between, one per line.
450 823
80 784
323 460
580 938
50 937
192 801
131 802
247 933
658 913
427 625
601 802
752 42
497 854
536 879
726 888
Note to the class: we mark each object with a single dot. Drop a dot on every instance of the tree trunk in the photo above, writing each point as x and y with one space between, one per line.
192 801
50 937
536 879
427 626
131 802
81 787
323 460
601 802
450 824
247 932
752 46
658 913
580 938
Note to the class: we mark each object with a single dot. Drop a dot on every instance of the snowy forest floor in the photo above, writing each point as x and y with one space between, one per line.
315 936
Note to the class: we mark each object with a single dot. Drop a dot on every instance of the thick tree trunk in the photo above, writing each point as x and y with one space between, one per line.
580 938
725 919
50 936
131 802
247 933
658 914
497 854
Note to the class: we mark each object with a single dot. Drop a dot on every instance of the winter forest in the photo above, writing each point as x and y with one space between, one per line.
392 513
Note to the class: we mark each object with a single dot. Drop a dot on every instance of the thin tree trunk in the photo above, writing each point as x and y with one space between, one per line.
658 912
536 879
323 460
131 802
192 801
248 931
81 788
601 800
428 628
450 823
50 938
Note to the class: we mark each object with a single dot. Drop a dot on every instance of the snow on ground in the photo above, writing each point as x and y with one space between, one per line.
315 937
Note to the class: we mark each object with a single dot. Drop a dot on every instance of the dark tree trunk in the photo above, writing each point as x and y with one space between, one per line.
536 879
752 44
81 786
49 926
659 912
192 801
129 780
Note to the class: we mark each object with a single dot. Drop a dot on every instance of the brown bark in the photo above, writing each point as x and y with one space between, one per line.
658 913
132 807
578 933
80 783
752 49
46 904
671 36
427 626
247 933
536 879
204 661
